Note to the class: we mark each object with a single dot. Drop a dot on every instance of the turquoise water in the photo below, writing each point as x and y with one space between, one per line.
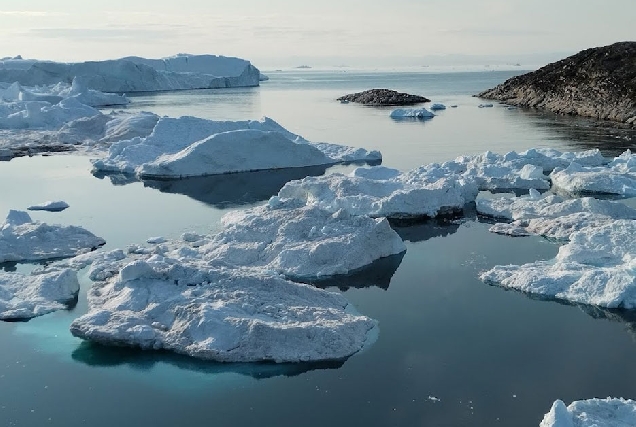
492 357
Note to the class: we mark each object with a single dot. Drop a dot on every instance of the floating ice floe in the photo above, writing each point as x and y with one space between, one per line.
597 266
382 192
25 296
411 113
189 146
436 107
551 216
134 74
22 239
618 177
610 412
56 206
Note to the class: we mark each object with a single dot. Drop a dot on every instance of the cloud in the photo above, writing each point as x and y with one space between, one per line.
101 34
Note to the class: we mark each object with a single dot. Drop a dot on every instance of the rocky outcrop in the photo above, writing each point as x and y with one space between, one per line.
598 82
383 97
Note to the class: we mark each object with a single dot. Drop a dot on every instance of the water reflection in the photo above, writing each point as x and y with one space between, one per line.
102 356
379 273
225 190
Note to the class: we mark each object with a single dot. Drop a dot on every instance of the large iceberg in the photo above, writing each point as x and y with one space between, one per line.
190 146
608 412
22 239
597 266
618 177
25 296
228 315
134 74
551 216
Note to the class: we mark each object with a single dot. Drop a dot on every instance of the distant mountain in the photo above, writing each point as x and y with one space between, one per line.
598 82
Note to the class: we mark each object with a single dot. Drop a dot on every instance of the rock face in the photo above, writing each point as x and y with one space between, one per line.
383 97
598 82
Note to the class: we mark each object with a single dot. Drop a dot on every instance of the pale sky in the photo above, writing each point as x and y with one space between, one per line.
273 33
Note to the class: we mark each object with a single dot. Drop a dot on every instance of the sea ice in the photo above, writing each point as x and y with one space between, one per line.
436 107
228 315
189 146
618 177
410 195
597 266
608 412
134 74
50 206
551 216
417 113
42 114
22 239
25 296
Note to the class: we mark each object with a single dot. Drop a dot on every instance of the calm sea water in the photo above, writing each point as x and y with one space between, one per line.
491 357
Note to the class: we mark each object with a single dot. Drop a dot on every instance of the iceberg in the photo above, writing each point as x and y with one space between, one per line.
411 113
618 177
50 206
189 146
56 93
227 315
382 193
596 267
135 74
43 115
437 107
551 216
22 239
610 412
25 296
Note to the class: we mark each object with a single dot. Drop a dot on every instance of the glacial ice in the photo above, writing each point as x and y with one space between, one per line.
228 315
417 113
597 267
551 216
618 177
610 412
436 107
51 206
25 296
134 74
22 239
189 146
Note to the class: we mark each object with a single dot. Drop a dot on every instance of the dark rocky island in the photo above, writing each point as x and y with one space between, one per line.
383 97
598 82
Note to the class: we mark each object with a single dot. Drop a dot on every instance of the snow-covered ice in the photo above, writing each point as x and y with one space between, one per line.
25 296
609 412
57 92
134 74
597 266
22 239
618 177
51 206
229 315
382 193
189 146
551 216
411 113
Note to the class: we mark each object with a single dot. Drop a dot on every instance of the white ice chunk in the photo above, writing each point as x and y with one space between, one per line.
410 195
608 412
52 206
597 267
22 239
219 314
417 113
25 296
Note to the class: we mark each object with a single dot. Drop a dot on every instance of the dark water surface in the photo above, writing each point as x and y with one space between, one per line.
491 357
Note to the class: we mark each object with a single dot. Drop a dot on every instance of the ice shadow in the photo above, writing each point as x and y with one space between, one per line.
379 273
98 355
224 190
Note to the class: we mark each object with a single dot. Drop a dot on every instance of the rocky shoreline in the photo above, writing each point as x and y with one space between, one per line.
599 83
383 97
